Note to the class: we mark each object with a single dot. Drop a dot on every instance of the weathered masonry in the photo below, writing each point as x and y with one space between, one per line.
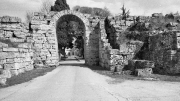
44 33
107 43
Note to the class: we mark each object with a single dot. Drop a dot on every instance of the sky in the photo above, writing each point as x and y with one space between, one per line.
137 7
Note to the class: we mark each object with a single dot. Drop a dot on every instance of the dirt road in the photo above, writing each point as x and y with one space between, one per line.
75 82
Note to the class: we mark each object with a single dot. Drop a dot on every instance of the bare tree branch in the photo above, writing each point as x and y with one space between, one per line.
29 16
46 6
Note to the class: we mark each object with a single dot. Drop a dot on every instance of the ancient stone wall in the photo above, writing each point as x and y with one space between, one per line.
107 42
45 37
44 40
112 57
16 54
90 35
92 45
160 47
163 49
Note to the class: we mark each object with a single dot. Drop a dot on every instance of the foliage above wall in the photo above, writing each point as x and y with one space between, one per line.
93 11
69 29
160 23
60 5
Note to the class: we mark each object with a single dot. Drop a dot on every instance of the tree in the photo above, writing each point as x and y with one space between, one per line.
79 44
29 16
66 32
101 12
86 10
125 13
76 8
60 5
106 12
46 6
93 11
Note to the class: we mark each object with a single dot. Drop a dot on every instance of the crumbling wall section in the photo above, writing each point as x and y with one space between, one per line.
44 40
16 54
90 37
92 42
115 58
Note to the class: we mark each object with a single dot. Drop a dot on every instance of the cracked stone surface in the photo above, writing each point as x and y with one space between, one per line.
72 81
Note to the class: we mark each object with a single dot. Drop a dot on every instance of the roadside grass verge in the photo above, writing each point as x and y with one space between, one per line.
118 78
27 76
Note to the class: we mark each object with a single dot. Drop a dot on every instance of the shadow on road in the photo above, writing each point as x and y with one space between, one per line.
78 62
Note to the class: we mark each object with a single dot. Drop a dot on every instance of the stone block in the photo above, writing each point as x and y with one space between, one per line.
39 41
10 49
23 50
30 51
46 45
1 66
35 22
51 41
35 27
29 67
8 19
38 46
2 61
36 35
8 34
3 44
20 34
29 39
140 64
18 60
17 55
146 72
17 40
49 34
21 70
13 66
14 72
2 81
43 58
45 27
52 58
4 55
27 59
9 60
7 74
25 45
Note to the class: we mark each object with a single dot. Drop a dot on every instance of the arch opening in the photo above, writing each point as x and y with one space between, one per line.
90 35
70 31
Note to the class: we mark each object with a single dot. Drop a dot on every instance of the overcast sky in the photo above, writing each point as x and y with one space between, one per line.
136 7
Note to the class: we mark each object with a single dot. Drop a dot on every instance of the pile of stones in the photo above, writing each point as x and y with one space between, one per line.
141 67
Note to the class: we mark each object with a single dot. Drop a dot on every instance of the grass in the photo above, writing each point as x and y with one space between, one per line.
27 76
118 78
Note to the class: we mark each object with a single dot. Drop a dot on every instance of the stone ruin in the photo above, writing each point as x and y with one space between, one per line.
15 48
106 43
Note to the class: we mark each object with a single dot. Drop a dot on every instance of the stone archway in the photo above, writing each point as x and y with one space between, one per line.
87 46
